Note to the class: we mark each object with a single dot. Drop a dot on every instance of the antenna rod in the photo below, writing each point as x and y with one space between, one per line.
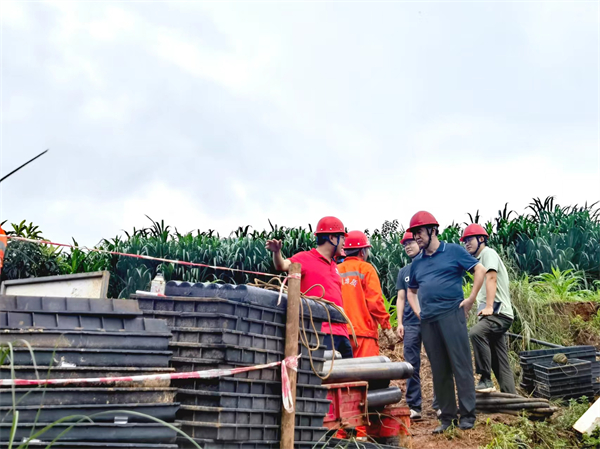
19 168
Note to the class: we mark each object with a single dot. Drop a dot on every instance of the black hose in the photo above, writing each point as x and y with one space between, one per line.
510 401
515 406
539 342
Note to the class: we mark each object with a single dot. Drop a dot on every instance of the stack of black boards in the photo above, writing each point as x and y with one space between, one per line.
225 326
545 378
74 338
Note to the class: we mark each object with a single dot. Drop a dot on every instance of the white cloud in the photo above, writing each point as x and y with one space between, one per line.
213 115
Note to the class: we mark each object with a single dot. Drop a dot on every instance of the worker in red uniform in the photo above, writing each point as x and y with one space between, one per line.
363 298
319 267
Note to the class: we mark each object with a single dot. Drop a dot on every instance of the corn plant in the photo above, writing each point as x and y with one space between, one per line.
392 309
560 284
544 238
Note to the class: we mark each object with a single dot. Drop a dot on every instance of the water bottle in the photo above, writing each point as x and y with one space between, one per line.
157 286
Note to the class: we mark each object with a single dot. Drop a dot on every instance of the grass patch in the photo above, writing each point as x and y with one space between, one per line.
556 433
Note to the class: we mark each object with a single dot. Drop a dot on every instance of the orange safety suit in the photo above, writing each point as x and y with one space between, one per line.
363 303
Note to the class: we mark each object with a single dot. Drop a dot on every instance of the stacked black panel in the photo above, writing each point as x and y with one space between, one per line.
77 338
544 377
223 327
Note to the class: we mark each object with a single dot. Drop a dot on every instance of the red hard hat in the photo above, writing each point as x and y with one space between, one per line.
330 225
473 230
407 236
422 218
356 240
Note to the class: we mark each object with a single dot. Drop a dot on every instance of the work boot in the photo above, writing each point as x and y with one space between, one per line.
415 414
443 427
485 385
466 424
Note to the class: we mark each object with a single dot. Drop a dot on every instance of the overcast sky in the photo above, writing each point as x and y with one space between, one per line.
215 115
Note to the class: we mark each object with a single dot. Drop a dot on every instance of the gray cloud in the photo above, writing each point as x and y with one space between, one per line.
232 114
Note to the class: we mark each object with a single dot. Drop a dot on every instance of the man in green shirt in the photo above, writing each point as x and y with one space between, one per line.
495 313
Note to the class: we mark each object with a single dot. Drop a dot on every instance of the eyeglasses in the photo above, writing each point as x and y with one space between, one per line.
467 240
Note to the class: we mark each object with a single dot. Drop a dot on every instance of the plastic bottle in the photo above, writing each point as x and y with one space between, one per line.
157 286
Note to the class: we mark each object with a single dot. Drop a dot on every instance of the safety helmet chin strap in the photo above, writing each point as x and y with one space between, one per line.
429 234
335 247
479 243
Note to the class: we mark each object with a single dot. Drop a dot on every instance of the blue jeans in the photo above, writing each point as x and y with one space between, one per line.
342 345
412 354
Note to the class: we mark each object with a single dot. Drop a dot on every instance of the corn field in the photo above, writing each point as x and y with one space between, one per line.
546 236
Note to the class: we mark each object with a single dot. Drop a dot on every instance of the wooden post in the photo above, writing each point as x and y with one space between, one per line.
292 324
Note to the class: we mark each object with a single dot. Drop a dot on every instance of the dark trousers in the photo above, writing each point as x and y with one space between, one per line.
447 345
342 345
412 354
488 337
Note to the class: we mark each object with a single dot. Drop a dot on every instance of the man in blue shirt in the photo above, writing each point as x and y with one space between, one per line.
437 275
409 329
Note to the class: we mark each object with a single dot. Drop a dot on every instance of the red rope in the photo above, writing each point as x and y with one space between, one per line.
141 256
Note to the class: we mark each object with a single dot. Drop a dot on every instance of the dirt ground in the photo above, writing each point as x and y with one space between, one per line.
421 437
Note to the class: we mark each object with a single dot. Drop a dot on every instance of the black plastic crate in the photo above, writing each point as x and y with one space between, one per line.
77 396
244 416
93 445
248 386
90 357
82 306
227 337
100 432
55 372
565 350
313 406
74 321
308 378
229 432
230 385
251 295
233 432
218 321
549 370
310 419
211 305
564 395
309 433
241 354
237 338
225 353
228 400
87 339
583 353
567 382
183 364
109 412
311 391
212 444
317 362
528 370
557 390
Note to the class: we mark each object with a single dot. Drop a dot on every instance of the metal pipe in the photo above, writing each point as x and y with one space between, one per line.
328 355
381 398
373 371
357 361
